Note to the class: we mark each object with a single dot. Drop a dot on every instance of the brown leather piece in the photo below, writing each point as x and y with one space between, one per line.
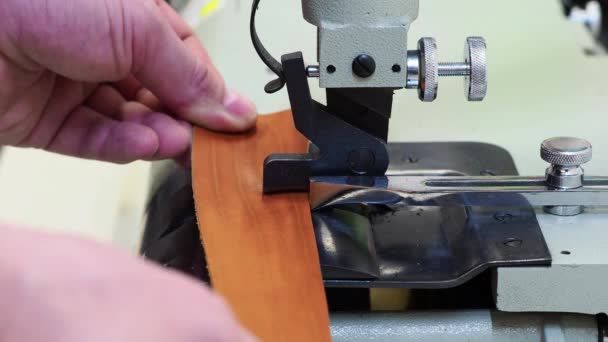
261 249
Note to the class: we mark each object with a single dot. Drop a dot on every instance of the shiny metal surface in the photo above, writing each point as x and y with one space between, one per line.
424 70
413 69
564 177
448 159
476 85
454 191
447 69
566 151
368 244
565 154
429 69
564 210
313 71
422 247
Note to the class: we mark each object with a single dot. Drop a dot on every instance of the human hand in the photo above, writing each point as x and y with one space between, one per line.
62 289
114 80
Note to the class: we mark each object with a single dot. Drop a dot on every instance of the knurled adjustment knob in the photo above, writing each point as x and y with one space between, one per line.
476 83
429 69
566 151
424 69
566 155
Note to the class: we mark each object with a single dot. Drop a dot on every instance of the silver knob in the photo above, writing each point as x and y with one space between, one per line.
566 151
424 70
476 83
429 69
566 155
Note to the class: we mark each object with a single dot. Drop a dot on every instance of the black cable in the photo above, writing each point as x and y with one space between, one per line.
271 62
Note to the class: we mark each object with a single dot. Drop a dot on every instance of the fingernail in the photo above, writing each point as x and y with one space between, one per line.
238 105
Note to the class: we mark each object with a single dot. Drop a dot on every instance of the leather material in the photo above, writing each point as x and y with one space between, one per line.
260 249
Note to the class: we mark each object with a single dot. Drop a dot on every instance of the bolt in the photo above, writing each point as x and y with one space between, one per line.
313 71
364 66
454 69
361 160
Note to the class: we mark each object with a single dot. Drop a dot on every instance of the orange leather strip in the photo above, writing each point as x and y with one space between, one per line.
261 249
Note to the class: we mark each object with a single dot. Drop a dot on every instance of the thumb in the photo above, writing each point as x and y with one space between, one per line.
109 40
170 61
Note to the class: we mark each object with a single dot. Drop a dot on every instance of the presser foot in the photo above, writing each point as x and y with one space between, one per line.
348 134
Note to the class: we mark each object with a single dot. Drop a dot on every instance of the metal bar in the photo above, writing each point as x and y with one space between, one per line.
454 191
313 71
454 69
506 182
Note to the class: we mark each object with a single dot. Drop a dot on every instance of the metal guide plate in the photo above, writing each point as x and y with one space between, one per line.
428 247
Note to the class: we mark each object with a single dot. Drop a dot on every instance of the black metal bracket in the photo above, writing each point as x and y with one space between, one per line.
349 134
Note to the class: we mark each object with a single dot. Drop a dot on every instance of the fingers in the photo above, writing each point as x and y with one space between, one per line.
106 100
108 127
88 134
173 135
110 102
128 87
132 90
120 38
148 99
62 98
75 289
183 78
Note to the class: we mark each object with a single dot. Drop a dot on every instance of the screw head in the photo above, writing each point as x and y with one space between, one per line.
503 217
513 242
566 151
361 160
364 65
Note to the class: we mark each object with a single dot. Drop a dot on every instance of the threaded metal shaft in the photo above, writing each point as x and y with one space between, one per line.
454 69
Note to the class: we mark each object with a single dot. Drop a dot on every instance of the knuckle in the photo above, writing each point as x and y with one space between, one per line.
199 86
199 80
204 82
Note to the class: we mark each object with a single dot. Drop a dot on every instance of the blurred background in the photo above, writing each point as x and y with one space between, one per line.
547 77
